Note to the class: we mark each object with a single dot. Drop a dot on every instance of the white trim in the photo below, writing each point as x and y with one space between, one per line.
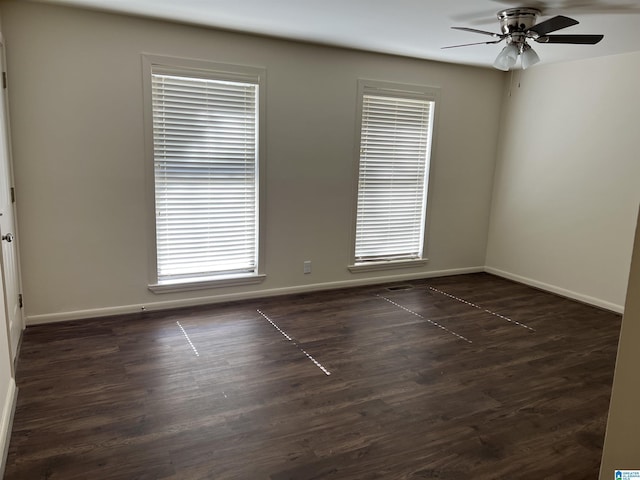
208 69
163 305
557 290
203 285
189 302
402 90
6 422
20 318
389 265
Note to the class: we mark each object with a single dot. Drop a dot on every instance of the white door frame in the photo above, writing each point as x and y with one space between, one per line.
14 344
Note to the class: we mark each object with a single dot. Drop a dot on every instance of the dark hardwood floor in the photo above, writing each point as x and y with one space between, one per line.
366 383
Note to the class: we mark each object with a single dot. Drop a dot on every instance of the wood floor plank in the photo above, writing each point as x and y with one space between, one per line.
218 392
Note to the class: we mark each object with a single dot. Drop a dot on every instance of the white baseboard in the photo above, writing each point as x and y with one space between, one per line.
6 422
190 302
557 290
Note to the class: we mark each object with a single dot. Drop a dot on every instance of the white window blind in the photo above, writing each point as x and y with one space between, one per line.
395 143
205 135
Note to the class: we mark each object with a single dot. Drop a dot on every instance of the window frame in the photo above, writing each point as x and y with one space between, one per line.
400 90
214 71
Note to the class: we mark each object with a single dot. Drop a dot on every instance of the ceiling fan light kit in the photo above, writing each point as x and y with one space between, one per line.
528 57
519 25
507 58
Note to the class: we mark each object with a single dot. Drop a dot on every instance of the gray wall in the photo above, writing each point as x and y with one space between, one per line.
76 103
567 183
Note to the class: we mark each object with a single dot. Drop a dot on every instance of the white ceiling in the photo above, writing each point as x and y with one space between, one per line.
414 28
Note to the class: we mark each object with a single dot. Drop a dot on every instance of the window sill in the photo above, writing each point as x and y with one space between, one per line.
206 284
388 265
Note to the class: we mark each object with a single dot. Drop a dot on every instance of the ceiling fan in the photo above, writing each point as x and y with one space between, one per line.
519 25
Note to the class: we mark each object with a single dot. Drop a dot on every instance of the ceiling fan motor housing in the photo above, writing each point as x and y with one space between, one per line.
517 20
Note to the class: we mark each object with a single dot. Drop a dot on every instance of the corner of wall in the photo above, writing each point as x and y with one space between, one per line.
504 101
6 422
621 449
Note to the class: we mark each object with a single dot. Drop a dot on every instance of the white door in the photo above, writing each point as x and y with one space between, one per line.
10 273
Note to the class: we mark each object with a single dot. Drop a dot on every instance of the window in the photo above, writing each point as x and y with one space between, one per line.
396 131
205 136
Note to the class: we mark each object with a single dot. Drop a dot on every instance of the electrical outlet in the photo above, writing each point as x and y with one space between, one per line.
307 266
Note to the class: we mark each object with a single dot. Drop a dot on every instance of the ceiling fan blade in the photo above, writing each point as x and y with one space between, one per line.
571 39
469 44
474 30
554 23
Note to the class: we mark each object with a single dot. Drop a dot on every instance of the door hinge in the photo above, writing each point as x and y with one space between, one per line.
4 79
20 304
13 195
